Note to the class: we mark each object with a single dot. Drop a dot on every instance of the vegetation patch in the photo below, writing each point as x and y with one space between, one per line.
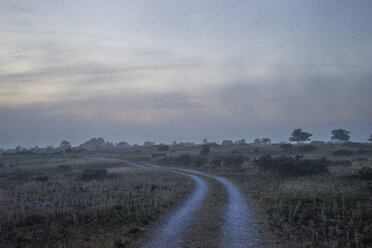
229 161
365 173
306 148
93 174
342 152
292 166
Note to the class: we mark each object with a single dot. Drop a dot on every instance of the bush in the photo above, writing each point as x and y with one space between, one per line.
163 148
216 161
286 147
363 151
362 160
342 152
205 150
74 150
199 160
42 178
183 160
63 168
289 166
232 160
343 162
93 174
306 148
365 173
154 155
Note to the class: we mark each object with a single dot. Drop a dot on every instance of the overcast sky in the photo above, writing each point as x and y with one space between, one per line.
167 70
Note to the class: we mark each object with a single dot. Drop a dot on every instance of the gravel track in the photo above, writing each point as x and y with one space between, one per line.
239 227
173 232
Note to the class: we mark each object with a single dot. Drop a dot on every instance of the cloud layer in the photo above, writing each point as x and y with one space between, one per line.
176 70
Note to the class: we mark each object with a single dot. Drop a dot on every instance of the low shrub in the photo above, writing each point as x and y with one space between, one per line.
344 162
199 160
154 155
286 147
74 150
362 160
231 160
342 152
306 148
183 160
216 161
205 150
363 151
365 173
354 145
42 178
93 174
292 166
163 148
63 168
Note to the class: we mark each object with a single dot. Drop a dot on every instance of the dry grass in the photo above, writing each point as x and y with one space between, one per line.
328 210
43 204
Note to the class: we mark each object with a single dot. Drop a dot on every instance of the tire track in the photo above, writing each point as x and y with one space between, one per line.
240 227
173 233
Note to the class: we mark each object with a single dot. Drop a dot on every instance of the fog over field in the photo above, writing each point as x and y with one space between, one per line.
183 70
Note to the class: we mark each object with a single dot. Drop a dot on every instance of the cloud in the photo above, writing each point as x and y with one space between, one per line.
12 7
317 99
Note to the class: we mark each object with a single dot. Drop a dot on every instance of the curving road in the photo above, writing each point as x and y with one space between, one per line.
172 234
239 227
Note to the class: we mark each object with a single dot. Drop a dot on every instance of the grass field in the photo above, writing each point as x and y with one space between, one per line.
329 209
94 199
49 200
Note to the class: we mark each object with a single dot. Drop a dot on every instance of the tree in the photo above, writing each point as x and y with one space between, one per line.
257 142
370 138
65 145
299 136
341 135
265 141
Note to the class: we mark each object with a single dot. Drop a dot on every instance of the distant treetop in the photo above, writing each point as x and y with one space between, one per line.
299 136
340 135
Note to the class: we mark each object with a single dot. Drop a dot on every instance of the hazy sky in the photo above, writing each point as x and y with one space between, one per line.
167 70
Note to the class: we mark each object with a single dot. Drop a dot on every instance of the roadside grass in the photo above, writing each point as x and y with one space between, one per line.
329 209
45 202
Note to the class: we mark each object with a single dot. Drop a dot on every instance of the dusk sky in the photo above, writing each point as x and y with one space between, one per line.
168 71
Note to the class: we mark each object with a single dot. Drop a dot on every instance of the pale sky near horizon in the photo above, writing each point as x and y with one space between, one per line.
169 70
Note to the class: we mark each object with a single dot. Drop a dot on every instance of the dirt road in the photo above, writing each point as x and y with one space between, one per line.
238 225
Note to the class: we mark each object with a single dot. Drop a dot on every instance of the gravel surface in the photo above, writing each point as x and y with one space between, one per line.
173 233
239 226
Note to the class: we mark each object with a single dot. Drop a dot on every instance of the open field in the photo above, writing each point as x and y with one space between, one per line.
47 201
330 209
95 199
